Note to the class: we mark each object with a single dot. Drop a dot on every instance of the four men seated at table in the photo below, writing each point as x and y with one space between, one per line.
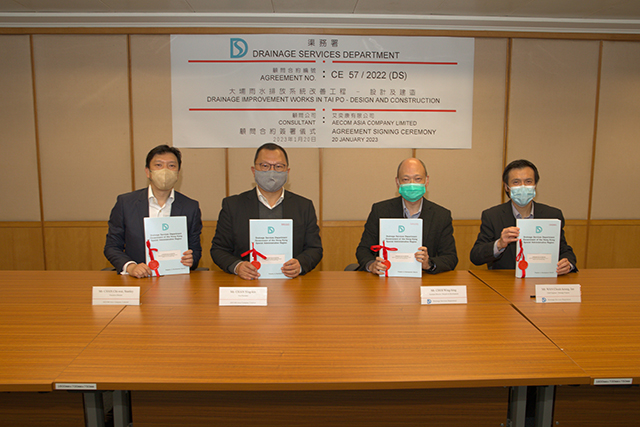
495 245
496 242
437 252
125 245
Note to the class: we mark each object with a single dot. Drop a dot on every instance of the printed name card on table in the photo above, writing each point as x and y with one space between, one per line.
166 240
243 296
538 247
431 295
271 242
399 242
558 293
613 381
116 295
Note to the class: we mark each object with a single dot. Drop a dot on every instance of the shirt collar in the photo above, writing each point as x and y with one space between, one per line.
264 201
152 197
517 215
405 211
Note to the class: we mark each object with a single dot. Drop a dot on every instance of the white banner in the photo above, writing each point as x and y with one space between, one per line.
321 91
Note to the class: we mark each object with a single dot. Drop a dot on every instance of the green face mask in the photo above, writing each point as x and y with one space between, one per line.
412 192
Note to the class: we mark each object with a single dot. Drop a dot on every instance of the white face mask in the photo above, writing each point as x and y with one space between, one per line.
523 194
164 179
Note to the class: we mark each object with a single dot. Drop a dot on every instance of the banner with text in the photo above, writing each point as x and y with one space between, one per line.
321 91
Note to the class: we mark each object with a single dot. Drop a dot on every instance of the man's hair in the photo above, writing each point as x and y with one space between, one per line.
421 162
161 149
271 147
520 164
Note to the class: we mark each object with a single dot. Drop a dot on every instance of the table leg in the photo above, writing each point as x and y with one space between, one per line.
544 406
517 406
121 408
93 409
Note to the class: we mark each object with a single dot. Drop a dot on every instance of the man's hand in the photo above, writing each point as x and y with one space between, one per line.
247 271
139 270
564 267
508 235
187 258
291 268
378 267
423 257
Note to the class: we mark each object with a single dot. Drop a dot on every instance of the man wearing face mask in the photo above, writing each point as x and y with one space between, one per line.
496 242
268 200
125 245
438 250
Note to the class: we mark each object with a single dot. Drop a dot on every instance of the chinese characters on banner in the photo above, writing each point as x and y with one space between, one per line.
321 91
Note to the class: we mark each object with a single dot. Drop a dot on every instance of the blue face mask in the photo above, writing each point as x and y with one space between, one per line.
523 194
412 192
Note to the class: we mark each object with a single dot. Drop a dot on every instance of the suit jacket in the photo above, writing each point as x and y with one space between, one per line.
437 233
497 218
125 239
232 232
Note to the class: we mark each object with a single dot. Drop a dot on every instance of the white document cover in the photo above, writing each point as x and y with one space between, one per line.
166 240
271 241
402 237
537 247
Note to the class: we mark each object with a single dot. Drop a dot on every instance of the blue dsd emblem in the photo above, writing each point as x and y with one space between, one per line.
538 229
239 48
271 230
401 229
165 226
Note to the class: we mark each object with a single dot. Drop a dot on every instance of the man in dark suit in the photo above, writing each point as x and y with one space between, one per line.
438 250
496 242
125 245
268 200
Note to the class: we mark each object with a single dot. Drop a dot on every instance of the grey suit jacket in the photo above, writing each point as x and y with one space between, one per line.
232 232
437 233
125 239
497 218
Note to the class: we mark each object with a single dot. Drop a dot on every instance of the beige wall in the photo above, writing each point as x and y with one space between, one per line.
103 100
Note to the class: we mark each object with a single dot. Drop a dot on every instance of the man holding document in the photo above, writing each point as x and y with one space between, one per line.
436 251
498 237
232 246
126 247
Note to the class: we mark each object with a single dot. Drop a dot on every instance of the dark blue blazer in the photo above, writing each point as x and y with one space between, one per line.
125 239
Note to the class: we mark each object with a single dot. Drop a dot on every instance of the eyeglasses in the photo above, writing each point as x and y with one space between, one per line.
278 167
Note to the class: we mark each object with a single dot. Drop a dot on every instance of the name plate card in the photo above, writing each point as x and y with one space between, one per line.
613 381
75 386
558 293
243 296
430 295
116 295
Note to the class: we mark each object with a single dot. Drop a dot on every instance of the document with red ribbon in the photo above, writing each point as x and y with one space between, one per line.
165 243
399 242
271 242
538 247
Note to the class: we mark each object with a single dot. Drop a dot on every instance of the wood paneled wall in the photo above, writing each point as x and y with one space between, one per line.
79 112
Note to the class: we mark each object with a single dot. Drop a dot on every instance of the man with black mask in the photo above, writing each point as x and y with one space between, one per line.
268 200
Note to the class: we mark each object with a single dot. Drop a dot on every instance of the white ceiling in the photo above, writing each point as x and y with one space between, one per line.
614 16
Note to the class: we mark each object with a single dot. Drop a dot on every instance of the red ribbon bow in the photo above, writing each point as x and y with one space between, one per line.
520 259
153 264
255 254
384 248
